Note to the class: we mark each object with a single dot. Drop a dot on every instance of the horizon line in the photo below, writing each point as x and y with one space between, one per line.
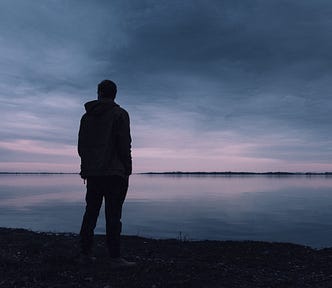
188 172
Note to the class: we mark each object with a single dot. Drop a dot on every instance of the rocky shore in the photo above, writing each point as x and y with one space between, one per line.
30 259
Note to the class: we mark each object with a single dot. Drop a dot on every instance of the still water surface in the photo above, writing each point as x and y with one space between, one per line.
268 208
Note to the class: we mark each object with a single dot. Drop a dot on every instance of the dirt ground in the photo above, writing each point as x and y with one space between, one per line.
30 259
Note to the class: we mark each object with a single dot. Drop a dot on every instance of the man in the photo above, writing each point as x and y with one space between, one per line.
104 145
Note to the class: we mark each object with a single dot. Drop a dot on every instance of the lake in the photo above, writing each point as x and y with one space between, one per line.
267 208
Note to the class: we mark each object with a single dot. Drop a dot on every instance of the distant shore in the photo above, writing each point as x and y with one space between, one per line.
39 173
30 259
238 173
190 173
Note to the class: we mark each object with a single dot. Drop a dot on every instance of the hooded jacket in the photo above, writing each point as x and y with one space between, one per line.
104 142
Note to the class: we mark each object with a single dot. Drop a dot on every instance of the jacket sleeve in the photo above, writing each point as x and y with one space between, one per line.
124 141
79 140
80 144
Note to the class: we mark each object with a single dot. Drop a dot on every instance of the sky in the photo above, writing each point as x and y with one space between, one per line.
217 85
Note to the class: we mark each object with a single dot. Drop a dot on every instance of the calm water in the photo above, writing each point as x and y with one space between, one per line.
288 209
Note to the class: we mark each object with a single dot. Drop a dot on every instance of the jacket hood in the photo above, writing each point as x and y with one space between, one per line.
99 107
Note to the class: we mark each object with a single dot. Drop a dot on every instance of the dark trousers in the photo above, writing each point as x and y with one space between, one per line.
114 190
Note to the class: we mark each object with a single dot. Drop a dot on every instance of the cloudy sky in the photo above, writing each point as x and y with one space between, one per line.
218 85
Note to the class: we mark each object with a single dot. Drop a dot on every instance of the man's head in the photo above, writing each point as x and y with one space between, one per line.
106 89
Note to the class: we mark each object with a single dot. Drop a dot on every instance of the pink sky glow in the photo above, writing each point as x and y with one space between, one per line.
227 157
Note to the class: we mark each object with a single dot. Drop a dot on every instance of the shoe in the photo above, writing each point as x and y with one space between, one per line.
120 262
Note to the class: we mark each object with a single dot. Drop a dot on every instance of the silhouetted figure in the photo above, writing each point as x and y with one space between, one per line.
104 145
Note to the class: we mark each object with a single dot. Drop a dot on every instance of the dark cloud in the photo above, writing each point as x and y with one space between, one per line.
256 71
234 61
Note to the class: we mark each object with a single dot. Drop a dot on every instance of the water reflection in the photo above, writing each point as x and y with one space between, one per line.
291 209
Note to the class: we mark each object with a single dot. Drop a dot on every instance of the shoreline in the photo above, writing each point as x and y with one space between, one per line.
50 260
227 173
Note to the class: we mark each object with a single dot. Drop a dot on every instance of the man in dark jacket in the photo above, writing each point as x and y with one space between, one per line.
104 145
